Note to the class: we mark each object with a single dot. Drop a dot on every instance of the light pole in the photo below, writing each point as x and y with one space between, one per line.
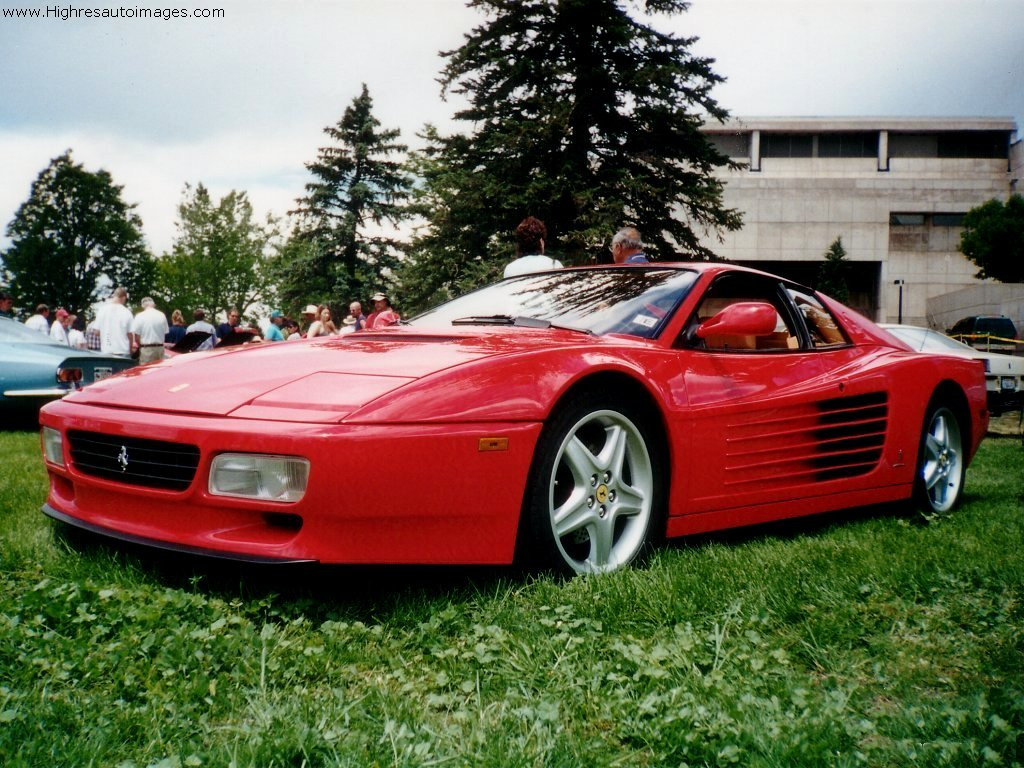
900 283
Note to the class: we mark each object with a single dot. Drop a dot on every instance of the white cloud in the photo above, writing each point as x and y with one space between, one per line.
240 102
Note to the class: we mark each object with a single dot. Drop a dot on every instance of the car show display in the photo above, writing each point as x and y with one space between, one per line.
568 419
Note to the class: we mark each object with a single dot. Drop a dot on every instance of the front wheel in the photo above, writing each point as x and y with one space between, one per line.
593 501
939 481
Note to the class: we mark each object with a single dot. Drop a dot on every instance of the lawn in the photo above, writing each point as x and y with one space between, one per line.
873 638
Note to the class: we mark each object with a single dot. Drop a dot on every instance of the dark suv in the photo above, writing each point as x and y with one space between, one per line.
995 333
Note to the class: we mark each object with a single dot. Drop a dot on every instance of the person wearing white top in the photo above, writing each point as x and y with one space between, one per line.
40 321
59 329
530 236
199 325
76 338
149 328
114 320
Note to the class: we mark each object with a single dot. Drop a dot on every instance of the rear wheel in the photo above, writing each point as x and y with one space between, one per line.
593 501
941 464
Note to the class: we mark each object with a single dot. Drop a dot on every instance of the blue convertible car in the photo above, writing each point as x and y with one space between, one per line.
35 370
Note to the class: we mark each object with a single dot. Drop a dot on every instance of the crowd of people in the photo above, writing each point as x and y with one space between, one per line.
147 334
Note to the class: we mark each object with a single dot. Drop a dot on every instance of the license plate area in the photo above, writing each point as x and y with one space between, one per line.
101 373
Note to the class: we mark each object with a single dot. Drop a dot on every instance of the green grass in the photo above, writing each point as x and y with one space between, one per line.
863 639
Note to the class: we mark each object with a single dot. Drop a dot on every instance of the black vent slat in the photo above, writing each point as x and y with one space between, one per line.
842 437
134 460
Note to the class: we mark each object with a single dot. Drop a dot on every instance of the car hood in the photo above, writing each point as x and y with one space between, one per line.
314 380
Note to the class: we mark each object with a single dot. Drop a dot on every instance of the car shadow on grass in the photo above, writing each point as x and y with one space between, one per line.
368 592
361 589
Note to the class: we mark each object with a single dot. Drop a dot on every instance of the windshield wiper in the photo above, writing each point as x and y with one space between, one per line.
485 320
520 321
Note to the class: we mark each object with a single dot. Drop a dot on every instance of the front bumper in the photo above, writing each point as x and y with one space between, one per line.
382 493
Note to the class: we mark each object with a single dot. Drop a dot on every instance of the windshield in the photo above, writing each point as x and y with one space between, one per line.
13 331
633 301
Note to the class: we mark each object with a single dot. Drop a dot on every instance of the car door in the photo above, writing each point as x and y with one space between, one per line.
775 417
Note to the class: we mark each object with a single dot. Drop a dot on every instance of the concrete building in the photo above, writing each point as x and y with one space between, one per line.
894 189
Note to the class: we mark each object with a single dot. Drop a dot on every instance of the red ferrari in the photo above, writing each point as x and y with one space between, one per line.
569 418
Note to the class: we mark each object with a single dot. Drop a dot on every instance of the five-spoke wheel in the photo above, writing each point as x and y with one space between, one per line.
941 465
595 483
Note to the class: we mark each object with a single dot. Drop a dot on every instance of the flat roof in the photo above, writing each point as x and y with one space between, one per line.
911 124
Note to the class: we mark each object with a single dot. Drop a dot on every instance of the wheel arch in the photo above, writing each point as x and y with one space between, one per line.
637 394
950 394
633 391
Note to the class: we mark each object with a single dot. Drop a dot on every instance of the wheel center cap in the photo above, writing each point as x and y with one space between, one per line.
602 493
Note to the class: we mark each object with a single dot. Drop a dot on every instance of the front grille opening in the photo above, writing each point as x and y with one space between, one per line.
134 460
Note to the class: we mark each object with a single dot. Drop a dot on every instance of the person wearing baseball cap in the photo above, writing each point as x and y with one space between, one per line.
383 315
274 328
59 329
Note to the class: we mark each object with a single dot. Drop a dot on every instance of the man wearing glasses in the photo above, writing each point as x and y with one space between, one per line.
627 247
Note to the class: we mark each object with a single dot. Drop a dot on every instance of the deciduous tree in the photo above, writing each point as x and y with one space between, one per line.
219 256
73 238
993 238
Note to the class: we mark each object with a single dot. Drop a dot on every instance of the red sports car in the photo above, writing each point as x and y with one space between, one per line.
569 417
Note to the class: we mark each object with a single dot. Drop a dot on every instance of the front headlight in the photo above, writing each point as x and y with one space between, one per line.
53 446
256 476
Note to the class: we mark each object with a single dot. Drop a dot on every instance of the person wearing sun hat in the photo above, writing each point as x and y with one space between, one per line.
383 315
309 315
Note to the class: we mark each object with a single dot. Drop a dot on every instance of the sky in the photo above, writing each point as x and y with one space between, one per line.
239 102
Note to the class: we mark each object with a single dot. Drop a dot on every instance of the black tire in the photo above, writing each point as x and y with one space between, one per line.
594 498
941 461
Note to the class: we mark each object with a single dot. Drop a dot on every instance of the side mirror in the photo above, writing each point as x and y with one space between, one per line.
745 318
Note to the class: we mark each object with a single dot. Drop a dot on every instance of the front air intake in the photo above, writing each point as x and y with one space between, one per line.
134 460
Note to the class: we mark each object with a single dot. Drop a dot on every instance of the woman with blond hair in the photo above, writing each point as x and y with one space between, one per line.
177 330
324 326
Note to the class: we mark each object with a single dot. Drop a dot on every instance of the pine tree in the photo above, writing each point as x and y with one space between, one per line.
584 116
73 238
834 272
360 186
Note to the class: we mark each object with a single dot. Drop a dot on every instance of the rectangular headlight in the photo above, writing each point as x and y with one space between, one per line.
258 476
53 446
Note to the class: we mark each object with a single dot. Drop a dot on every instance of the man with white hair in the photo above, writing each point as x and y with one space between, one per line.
148 330
627 247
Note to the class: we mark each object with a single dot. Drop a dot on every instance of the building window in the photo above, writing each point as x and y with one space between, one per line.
912 145
982 144
951 144
926 219
947 219
787 145
855 144
732 144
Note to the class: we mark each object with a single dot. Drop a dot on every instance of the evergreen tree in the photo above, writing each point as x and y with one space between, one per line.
74 237
359 187
834 272
219 256
584 116
993 238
